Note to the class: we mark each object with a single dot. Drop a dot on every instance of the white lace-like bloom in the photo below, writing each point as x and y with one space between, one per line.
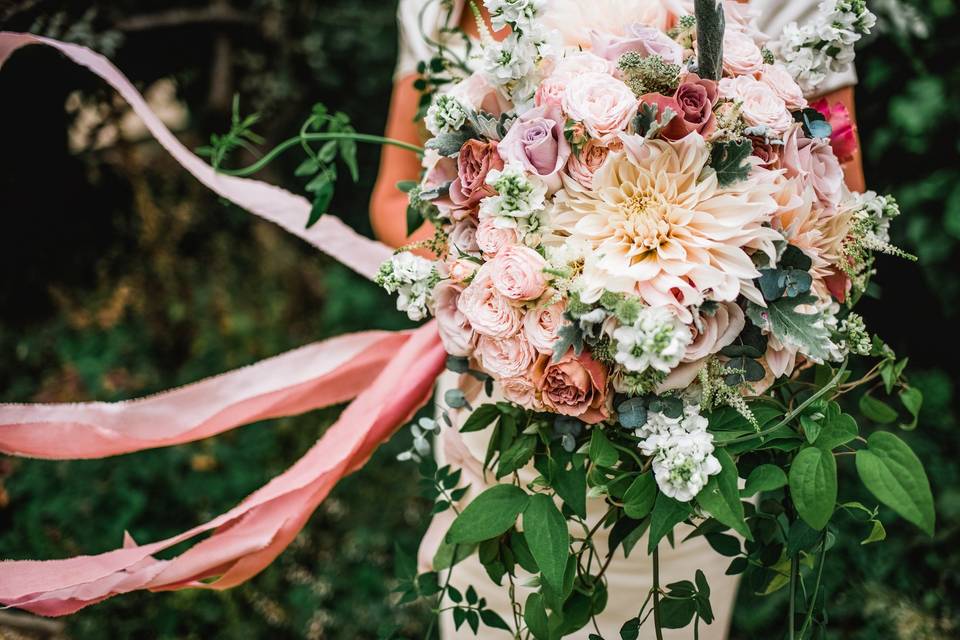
658 339
682 451
445 115
520 199
662 228
412 278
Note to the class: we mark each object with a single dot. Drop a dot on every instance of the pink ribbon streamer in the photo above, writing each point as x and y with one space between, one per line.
391 376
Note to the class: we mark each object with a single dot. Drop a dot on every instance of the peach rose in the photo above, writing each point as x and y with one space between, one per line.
517 273
602 103
761 106
541 326
489 313
581 166
716 331
573 386
491 238
783 84
520 390
813 161
692 105
507 357
741 55
455 331
475 161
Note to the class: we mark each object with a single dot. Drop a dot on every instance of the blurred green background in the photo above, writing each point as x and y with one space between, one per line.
121 276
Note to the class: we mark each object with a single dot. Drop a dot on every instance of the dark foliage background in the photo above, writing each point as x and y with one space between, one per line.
121 276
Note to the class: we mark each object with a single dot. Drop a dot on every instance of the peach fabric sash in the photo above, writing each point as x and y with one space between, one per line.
390 375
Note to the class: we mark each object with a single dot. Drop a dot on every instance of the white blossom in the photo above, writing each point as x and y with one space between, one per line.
412 278
446 114
517 14
519 203
657 339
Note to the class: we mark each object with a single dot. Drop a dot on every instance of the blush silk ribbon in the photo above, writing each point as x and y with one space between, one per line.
389 375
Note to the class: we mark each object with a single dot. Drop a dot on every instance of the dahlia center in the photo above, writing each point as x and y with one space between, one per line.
645 220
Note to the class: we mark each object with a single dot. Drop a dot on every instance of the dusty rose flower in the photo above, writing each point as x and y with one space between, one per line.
741 55
769 154
475 161
491 238
455 331
761 106
843 139
536 142
692 105
581 166
573 386
716 331
463 236
462 270
813 161
783 84
517 273
602 103
541 326
520 390
506 357
489 313
637 37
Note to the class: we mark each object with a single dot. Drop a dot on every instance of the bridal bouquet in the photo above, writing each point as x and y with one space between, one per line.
645 250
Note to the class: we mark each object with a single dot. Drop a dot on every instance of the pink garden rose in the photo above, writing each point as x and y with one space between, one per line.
717 330
741 55
582 165
813 161
507 357
456 334
521 390
843 139
783 84
573 386
475 161
640 38
476 92
536 142
517 273
692 105
761 105
491 238
542 324
550 91
602 103
463 236
489 313
462 270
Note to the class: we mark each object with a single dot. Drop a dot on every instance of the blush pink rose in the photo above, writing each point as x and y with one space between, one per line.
583 165
521 390
463 237
456 334
475 161
843 139
542 324
761 106
602 103
489 313
537 143
460 271
550 92
783 84
716 331
573 386
517 273
637 37
491 238
813 161
741 55
505 358
479 94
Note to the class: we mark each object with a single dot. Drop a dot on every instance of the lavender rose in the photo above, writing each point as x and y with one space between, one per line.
537 143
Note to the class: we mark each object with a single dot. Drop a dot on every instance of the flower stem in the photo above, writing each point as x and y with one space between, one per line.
816 588
656 594
791 616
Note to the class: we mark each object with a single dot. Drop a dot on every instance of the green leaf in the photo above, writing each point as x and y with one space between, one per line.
877 410
729 160
837 430
493 620
912 399
813 485
721 496
321 203
481 418
348 153
414 219
877 533
805 331
895 476
676 613
406 186
517 456
630 629
307 168
535 615
639 498
571 486
491 514
602 452
545 530
766 477
448 144
667 513
710 29
451 554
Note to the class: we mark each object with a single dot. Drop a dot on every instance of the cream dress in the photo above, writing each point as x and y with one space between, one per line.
629 579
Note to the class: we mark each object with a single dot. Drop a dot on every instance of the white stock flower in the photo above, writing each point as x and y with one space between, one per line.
520 198
506 62
446 114
657 339
412 278
682 451
514 13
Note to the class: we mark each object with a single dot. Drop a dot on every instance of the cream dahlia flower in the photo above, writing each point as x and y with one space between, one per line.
661 226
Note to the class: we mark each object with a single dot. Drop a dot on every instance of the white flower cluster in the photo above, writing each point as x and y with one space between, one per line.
513 64
682 451
875 212
412 278
520 200
810 52
657 339
445 115
519 15
422 431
